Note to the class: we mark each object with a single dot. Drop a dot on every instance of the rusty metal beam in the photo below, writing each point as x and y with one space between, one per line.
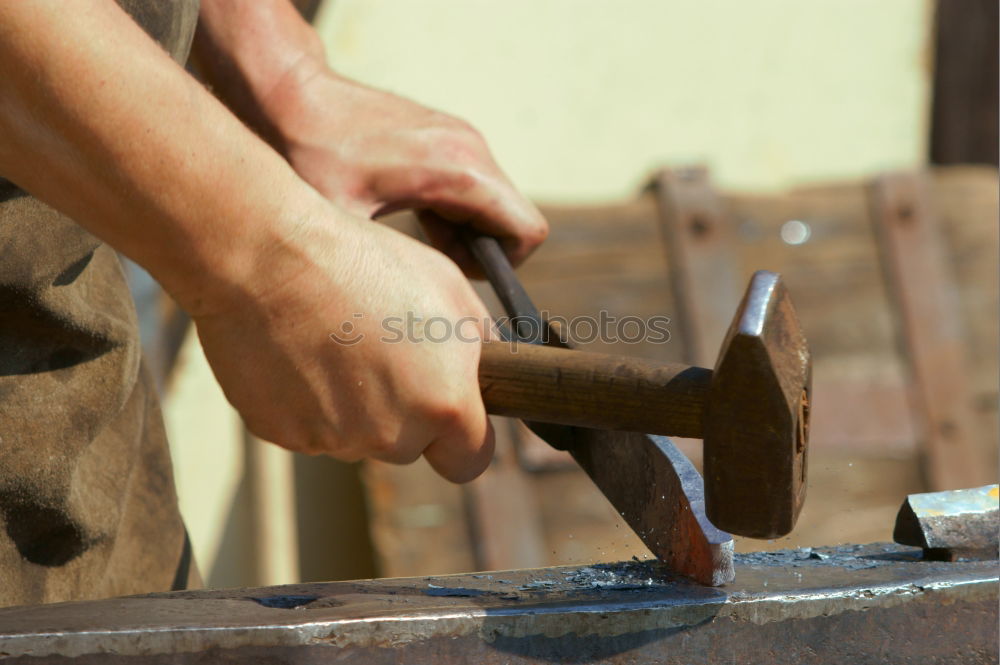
854 604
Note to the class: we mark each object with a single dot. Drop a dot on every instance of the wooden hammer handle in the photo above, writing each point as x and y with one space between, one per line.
552 385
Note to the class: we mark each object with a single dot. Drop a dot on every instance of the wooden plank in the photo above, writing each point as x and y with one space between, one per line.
334 538
606 259
704 272
504 515
417 521
836 283
931 330
967 200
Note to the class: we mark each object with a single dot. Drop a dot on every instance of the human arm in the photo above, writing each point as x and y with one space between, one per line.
98 122
369 151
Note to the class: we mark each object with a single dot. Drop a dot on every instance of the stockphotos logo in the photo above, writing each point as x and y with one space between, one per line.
412 328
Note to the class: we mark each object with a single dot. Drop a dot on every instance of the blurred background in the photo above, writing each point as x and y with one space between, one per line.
676 147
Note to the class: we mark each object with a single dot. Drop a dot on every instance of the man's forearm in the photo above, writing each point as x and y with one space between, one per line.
256 55
96 120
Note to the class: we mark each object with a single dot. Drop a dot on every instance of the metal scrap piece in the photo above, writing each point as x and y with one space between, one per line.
957 520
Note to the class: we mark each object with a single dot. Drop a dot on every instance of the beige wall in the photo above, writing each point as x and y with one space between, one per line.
581 98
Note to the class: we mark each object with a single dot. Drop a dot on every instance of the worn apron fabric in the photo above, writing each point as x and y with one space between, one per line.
87 501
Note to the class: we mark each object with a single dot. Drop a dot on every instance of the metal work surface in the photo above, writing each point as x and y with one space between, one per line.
856 604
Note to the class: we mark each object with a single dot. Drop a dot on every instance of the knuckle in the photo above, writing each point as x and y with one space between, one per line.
333 446
314 448
460 180
286 435
381 447
405 456
350 456
261 429
448 416
460 127
325 439
314 445
473 135
461 142
385 444
300 441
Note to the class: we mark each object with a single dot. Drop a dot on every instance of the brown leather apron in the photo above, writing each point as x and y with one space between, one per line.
87 501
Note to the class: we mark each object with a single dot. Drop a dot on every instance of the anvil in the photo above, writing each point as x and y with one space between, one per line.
880 603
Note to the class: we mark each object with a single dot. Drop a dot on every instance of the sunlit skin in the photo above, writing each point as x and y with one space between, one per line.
264 235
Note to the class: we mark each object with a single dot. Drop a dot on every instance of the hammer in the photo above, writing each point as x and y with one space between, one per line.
751 411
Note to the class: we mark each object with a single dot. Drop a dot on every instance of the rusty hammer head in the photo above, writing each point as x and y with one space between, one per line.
756 426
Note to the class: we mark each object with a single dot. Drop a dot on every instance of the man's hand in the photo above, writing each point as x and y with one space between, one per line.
356 341
374 153
366 150
96 120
